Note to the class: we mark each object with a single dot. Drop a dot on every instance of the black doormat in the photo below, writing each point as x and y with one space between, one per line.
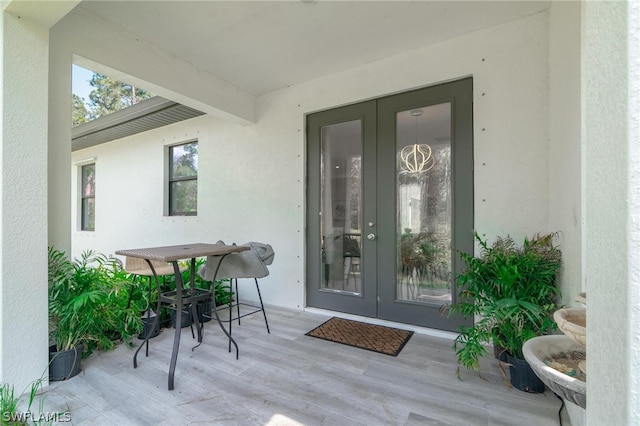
376 338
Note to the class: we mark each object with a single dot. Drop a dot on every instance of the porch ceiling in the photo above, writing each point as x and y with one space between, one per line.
262 46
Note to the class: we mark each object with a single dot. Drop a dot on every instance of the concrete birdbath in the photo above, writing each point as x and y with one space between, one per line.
560 361
555 360
573 323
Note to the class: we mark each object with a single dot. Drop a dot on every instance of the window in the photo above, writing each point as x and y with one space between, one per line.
88 206
183 179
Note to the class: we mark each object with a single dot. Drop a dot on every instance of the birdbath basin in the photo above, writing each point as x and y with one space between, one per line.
554 359
573 323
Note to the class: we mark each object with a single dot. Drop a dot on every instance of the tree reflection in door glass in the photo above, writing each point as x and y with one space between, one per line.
423 203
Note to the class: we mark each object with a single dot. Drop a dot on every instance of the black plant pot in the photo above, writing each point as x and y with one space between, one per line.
64 365
522 376
166 317
500 353
205 310
186 318
148 328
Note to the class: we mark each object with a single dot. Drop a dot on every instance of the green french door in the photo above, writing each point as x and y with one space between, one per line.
390 204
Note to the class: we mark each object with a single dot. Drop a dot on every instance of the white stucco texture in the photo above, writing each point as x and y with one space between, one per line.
23 165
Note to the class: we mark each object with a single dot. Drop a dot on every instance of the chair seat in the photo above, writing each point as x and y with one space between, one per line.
247 264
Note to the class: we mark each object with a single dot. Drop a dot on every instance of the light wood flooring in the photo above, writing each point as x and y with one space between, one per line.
287 378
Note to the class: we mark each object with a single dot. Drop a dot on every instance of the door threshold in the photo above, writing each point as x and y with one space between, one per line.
416 329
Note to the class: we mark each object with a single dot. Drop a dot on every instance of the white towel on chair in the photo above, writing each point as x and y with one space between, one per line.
247 264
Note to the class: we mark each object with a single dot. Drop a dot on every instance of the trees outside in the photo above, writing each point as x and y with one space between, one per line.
80 112
107 96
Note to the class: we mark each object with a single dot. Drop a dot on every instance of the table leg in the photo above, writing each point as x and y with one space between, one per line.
176 339
179 305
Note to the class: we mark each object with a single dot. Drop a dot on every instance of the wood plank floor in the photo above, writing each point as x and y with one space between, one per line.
287 378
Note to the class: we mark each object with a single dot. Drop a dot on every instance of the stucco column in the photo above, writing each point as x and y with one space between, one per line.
634 212
59 172
611 186
23 208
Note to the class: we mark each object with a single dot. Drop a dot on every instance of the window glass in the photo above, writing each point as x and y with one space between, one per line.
88 204
183 179
184 160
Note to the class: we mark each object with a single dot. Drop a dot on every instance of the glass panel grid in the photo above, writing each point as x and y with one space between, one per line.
184 197
184 161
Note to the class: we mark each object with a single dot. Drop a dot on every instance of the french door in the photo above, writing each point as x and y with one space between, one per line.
390 204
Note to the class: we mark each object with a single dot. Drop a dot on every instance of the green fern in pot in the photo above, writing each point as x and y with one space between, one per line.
511 292
88 302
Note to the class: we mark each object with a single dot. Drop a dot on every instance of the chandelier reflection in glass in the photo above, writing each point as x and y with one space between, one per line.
416 158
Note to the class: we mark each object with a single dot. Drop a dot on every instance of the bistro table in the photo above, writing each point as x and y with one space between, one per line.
182 296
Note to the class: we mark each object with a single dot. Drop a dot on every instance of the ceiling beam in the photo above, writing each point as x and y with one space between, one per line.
45 13
103 47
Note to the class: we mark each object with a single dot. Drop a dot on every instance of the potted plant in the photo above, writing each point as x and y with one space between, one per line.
87 309
511 292
141 299
222 294
170 283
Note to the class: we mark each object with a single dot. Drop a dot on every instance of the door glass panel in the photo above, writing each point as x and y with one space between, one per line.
341 206
423 179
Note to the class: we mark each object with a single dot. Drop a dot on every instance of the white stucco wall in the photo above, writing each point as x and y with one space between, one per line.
566 198
633 321
509 67
23 190
565 178
252 181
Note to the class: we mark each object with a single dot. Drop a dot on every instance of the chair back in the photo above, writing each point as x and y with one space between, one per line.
137 266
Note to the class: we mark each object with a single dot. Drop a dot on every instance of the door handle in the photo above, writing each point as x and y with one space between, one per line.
371 237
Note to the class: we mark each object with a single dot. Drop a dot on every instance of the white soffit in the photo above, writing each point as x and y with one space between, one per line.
141 117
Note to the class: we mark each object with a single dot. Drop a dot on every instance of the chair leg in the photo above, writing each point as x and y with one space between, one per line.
130 294
237 299
231 309
237 303
133 283
147 308
193 311
262 306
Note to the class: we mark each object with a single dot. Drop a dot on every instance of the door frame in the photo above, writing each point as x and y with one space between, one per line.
377 300
365 303
460 94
